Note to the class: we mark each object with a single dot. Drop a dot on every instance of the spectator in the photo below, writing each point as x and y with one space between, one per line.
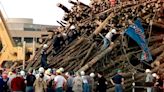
1 81
102 83
60 82
39 84
118 81
11 76
77 83
70 81
18 83
30 79
85 82
5 80
149 80
91 82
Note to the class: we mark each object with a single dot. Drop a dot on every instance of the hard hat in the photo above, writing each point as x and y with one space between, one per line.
58 71
61 69
82 73
148 71
92 75
48 72
113 31
154 75
41 70
22 73
67 74
45 46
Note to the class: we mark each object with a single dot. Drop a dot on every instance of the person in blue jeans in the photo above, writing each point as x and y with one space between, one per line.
118 81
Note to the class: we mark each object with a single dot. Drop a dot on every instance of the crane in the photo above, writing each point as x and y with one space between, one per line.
9 53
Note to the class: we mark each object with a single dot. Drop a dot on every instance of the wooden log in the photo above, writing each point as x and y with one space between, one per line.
103 24
158 60
157 50
97 58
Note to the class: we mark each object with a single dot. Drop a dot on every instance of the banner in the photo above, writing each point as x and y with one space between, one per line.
136 32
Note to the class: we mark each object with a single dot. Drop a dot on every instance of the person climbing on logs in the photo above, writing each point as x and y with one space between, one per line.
44 56
107 40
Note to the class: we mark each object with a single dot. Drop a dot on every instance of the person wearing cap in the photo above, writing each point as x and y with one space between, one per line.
91 82
77 83
118 81
59 82
44 56
40 84
102 83
108 38
18 83
149 80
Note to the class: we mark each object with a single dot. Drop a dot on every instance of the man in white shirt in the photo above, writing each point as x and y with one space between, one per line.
60 82
108 38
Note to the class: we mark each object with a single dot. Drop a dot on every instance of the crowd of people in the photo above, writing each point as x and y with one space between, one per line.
50 80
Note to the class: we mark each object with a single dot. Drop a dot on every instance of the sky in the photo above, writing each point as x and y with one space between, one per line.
41 11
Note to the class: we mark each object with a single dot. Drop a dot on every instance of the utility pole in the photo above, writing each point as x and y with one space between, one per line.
24 54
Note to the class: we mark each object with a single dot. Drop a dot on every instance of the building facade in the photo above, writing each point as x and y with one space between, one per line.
22 29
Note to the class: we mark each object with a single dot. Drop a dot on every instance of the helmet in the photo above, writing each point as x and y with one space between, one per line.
61 69
113 31
154 75
58 71
41 70
48 72
22 73
82 73
92 75
148 71
45 46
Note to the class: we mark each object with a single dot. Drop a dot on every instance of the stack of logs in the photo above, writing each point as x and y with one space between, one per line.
85 52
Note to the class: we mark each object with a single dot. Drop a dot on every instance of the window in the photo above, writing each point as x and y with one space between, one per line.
17 40
28 39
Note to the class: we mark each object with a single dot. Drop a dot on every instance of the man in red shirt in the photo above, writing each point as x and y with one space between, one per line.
18 83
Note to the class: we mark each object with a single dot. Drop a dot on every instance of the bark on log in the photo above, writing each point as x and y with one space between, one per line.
97 58
158 60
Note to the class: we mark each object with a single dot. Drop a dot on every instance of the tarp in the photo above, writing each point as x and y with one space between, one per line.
136 32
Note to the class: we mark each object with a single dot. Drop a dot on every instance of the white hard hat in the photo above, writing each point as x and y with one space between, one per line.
45 46
41 70
113 31
148 71
61 69
22 73
82 73
92 75
154 75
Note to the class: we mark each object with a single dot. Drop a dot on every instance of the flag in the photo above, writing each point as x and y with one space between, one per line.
136 32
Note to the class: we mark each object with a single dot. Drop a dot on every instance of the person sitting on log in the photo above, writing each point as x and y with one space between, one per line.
108 38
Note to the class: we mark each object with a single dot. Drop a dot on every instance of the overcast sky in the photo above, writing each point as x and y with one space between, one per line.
42 11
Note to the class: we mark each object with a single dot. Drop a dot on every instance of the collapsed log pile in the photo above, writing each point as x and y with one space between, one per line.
86 53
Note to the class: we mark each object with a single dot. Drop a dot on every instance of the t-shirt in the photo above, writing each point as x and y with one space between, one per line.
101 86
70 81
59 80
149 78
117 79
109 35
30 79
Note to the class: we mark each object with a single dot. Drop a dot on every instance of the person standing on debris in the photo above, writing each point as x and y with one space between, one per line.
44 56
149 80
30 79
118 81
77 83
108 38
59 82
18 83
102 83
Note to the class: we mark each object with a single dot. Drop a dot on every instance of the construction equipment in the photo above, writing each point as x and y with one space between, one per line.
10 52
